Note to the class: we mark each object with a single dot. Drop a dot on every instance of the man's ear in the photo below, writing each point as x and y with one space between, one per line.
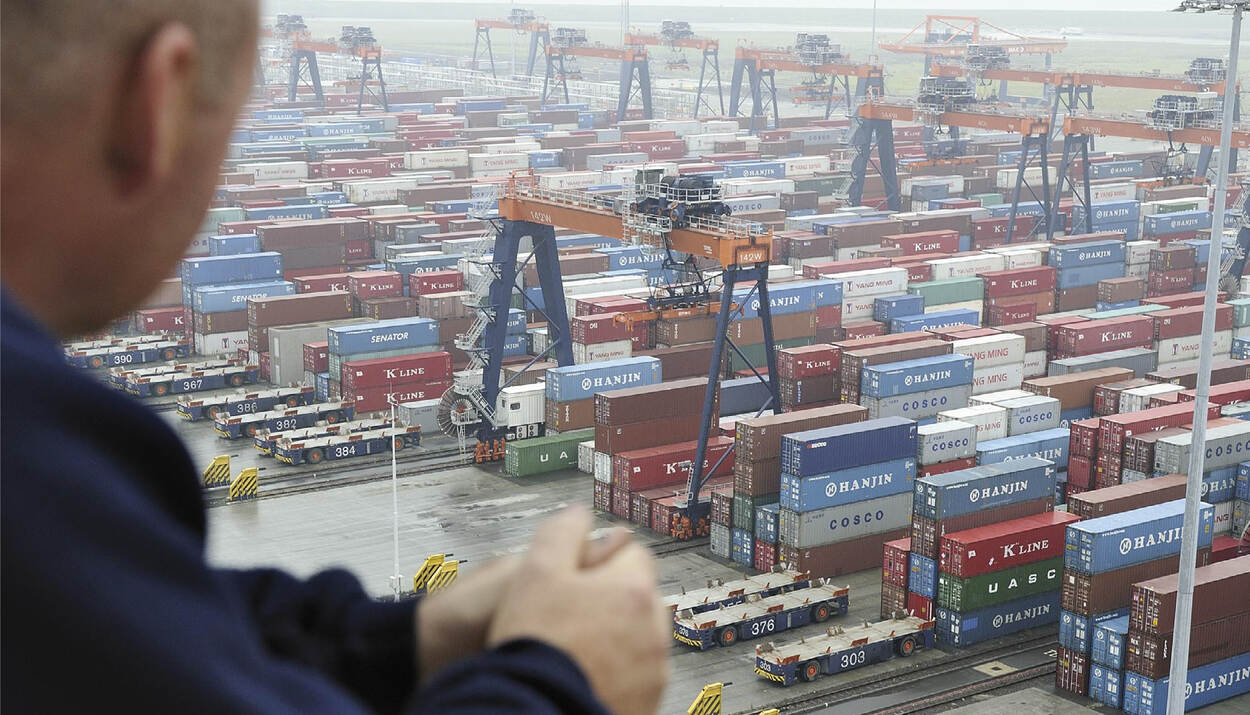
153 110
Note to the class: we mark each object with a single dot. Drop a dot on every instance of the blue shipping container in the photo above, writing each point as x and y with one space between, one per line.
308 212
922 575
424 263
935 320
751 169
1109 211
626 257
742 395
920 375
964 629
1243 481
579 382
383 335
889 307
1219 485
819 491
233 244
1204 685
1109 641
1102 305
1051 445
1241 348
1106 685
1087 254
1176 222
1088 275
1076 632
942 496
248 268
766 523
832 449
226 298
1132 537
1131 169
742 544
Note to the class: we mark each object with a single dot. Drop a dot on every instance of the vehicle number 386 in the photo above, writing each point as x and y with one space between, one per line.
759 628
852 659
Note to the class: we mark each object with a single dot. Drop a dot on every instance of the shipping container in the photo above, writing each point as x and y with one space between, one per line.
830 449
821 491
974 552
945 441
965 629
1203 685
953 494
580 382
843 523
1120 540
993 588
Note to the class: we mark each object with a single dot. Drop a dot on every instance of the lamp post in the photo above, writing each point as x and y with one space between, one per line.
396 579
1193 489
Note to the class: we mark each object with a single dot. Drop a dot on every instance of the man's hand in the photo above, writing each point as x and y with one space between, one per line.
606 616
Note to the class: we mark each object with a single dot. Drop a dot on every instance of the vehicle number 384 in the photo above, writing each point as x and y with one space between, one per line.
345 451
853 659
759 628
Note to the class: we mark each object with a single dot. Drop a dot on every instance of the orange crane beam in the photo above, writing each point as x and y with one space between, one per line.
1159 83
623 54
505 25
785 62
1130 129
1015 123
689 43
960 25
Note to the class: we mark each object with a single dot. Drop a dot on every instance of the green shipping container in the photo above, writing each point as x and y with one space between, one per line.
744 509
1169 207
823 185
1122 312
988 199
1241 312
756 354
991 589
955 290
528 457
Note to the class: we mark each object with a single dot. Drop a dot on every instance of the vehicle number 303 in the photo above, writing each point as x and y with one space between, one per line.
853 659
759 628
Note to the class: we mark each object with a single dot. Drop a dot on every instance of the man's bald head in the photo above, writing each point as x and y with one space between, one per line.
116 115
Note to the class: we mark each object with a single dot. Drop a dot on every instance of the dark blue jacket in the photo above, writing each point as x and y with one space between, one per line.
108 601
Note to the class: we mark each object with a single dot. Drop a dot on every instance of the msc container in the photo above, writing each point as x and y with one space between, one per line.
821 491
945 441
830 449
1051 445
1008 544
1225 447
944 496
918 405
991 589
921 375
965 629
581 382
1203 685
1114 542
842 523
1109 641
540 455
1219 592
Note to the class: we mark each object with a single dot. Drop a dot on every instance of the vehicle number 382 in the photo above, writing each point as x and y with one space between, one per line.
759 628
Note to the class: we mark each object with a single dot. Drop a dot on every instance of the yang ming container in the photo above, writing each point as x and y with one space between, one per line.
1132 537
945 441
832 449
910 376
821 491
997 587
1007 544
944 496
965 629
840 523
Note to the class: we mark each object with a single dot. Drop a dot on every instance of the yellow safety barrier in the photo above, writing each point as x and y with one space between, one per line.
245 485
428 569
708 702
218 473
444 577
770 711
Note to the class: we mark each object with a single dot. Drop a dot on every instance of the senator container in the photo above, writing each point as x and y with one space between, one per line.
945 441
226 298
1203 685
1051 445
580 382
920 375
840 523
821 491
943 496
831 449
965 629
918 405
393 334
1225 447
1007 544
1132 537
997 587
1109 640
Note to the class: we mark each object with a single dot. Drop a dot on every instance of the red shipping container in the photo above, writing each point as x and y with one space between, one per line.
651 467
435 282
862 329
1081 471
1072 671
659 149
808 361
375 284
1009 313
603 497
321 283
1019 281
1161 283
612 304
828 316
1084 438
317 357
1181 300
919 606
954 465
1227 394
994 230
1113 430
1099 336
352 168
603 327
1180 322
918 272
764 555
1004 545
421 367
894 566
924 242
374 399
359 250
156 320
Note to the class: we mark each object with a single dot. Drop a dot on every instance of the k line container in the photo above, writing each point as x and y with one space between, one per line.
996 587
831 449
945 441
944 496
842 523
1112 542
821 491
1008 544
965 629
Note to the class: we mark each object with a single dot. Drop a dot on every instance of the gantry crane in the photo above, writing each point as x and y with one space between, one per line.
567 44
519 20
354 41
678 36
683 218
759 67
949 36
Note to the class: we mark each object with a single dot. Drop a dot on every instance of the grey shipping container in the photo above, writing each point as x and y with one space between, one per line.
1139 360
945 441
1225 447
841 523
919 405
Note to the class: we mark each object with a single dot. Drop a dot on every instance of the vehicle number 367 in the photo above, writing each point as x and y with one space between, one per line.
759 628
850 660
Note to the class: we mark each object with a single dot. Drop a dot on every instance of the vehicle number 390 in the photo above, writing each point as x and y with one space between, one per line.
853 659
759 628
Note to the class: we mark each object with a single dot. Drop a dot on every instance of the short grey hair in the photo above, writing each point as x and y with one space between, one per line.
49 48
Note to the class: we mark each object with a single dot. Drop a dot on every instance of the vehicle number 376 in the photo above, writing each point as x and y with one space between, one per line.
759 628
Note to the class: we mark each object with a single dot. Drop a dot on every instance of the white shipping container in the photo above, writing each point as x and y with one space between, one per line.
944 441
1112 192
275 170
999 377
877 281
953 182
1006 178
375 191
720 126
1138 398
603 467
991 420
1031 414
510 148
220 343
859 307
1223 518
1035 364
991 350
436 159
1139 251
604 286
965 305
965 266
779 273
995 398
1137 270
1021 259
680 127
706 142
805 165
569 180
1243 332
1187 347
739 187
597 352
586 457
388 210
479 163
522 405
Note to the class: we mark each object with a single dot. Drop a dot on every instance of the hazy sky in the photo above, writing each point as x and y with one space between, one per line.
937 6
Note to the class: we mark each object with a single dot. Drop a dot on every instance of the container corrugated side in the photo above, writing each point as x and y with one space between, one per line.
991 589
1114 542
831 449
945 441
1203 685
943 496
821 491
965 629
921 375
840 523
580 382
1051 445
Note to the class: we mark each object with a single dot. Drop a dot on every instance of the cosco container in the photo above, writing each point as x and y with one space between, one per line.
943 496
1132 537
920 375
580 382
1051 445
996 587
1005 545
1225 447
831 449
383 335
840 523
965 629
918 405
1203 685
821 491
945 441
1031 414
